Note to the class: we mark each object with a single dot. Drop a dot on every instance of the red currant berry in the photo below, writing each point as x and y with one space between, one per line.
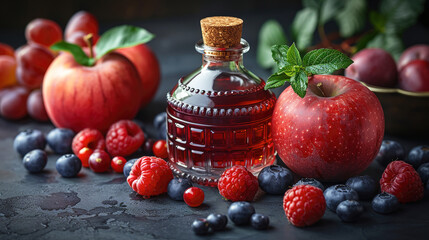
118 163
84 155
193 196
99 161
160 149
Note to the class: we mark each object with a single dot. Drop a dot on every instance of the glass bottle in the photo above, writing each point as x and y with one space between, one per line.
219 115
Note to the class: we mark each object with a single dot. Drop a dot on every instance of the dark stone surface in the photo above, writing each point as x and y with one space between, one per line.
103 206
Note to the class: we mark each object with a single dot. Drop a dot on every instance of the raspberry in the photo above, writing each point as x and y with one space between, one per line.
304 205
400 179
124 138
87 138
238 184
150 176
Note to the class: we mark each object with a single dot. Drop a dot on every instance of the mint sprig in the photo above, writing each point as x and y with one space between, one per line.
296 70
115 38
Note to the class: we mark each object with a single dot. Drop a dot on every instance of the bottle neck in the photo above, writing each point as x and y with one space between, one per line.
229 58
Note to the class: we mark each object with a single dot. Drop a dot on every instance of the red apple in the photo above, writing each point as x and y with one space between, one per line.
413 53
414 76
79 97
331 134
373 66
148 67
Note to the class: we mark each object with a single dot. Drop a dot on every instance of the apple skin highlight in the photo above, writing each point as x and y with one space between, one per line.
331 137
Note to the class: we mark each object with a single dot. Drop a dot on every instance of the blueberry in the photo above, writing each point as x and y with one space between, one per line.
35 161
259 221
60 140
418 156
162 131
310 181
275 179
240 212
390 151
176 188
28 140
128 165
68 165
349 210
159 119
147 146
423 171
217 221
385 203
365 186
200 226
338 193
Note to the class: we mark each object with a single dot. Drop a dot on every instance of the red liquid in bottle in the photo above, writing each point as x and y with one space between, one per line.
219 116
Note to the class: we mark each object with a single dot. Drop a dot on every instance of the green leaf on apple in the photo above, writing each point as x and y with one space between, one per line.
295 70
271 33
115 38
325 61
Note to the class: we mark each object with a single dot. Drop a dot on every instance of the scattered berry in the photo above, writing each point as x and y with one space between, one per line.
240 212
389 151
162 131
338 193
87 138
35 160
128 166
193 196
217 221
99 161
238 184
385 203
147 146
60 140
400 179
150 176
259 221
304 205
200 226
349 210
418 156
68 165
124 138
28 140
365 186
159 149
310 181
275 179
160 119
84 155
118 163
423 172
177 187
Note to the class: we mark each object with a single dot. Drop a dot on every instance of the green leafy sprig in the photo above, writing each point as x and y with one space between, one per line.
296 70
115 38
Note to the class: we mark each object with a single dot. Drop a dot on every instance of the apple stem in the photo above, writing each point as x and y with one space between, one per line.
320 87
89 41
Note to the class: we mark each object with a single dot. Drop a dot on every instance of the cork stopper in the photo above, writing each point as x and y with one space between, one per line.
221 32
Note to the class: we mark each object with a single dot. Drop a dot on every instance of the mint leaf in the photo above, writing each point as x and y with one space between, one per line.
121 37
351 19
276 80
324 61
279 54
290 70
299 83
271 33
293 56
303 27
77 52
